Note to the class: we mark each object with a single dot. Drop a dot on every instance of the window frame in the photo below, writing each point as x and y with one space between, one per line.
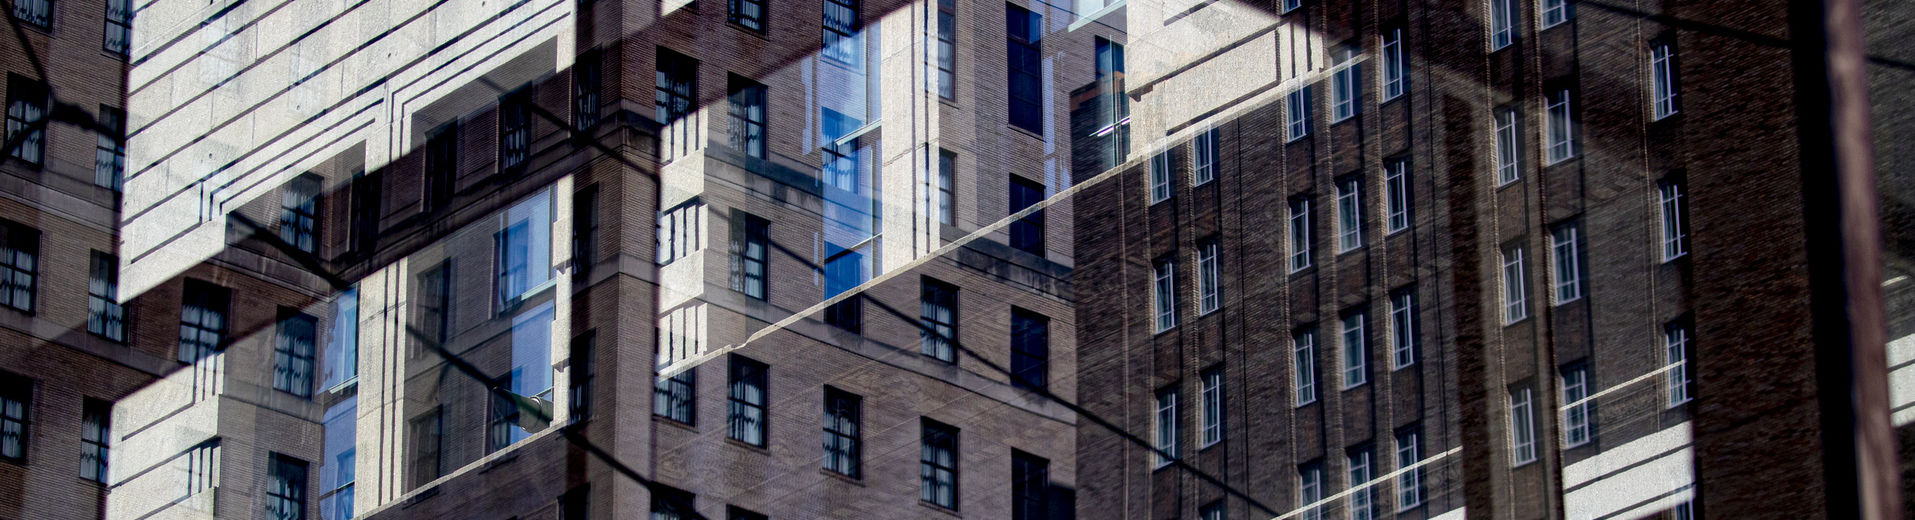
1675 218
1209 277
1030 357
27 101
106 316
1028 46
109 151
745 375
287 357
1310 490
748 109
96 427
1663 87
1164 293
1522 426
1403 328
840 36
207 298
515 130
756 252
1578 411
1354 341
1300 257
1502 24
1515 285
1304 369
1397 196
1159 187
1507 147
123 20
936 437
1297 114
1677 356
1210 391
1204 157
738 13
16 411
1164 427
1362 465
1566 265
299 213
1349 213
286 485
1394 78
1346 91
1559 127
843 432
1410 491
935 296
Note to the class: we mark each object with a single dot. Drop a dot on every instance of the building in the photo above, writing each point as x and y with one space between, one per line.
599 259
1495 259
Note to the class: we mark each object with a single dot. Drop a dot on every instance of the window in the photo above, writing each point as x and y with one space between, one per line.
1299 233
1113 106
1298 113
576 504
938 464
585 230
515 130
947 197
1409 453
739 513
1030 349
1396 187
1023 29
1030 486
583 369
1160 177
1212 511
434 301
1675 220
1344 88
286 488
746 415
1675 340
1515 286
299 213
1522 427
756 257
940 61
844 271
747 101
1349 214
1027 234
293 353
202 320
1403 328
95 427
1555 12
1305 344
1686 510
1577 413
442 165
1310 491
1506 169
1502 23
427 435
337 469
119 26
366 209
200 465
1356 350
674 100
1662 78
1203 159
530 379
1362 494
681 231
1166 426
1396 67
1166 294
841 32
843 434
939 314
586 85
36 12
1212 388
1291 5
672 504
16 398
105 317
674 397
1208 279
1566 251
749 14
1562 138
109 154
26 107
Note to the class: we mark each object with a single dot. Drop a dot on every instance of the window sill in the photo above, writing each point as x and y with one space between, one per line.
660 419
1310 402
1022 130
760 34
848 479
940 509
766 450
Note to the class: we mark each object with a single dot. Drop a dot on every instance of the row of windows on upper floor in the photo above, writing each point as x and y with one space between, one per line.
1502 18
747 421
118 21
1577 407
28 119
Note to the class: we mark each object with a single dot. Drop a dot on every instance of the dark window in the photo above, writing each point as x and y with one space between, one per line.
442 166
202 320
672 504
367 197
749 14
503 417
1212 511
435 304
842 437
1024 68
738 513
576 504
286 488
938 464
939 314
841 31
293 353
36 12
756 256
674 100
428 442
581 373
585 230
26 106
746 416
947 198
1115 107
1027 234
105 316
586 84
299 213
16 398
673 397
515 130
1030 349
119 26
940 62
95 425
1030 486
843 272
109 155
747 115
